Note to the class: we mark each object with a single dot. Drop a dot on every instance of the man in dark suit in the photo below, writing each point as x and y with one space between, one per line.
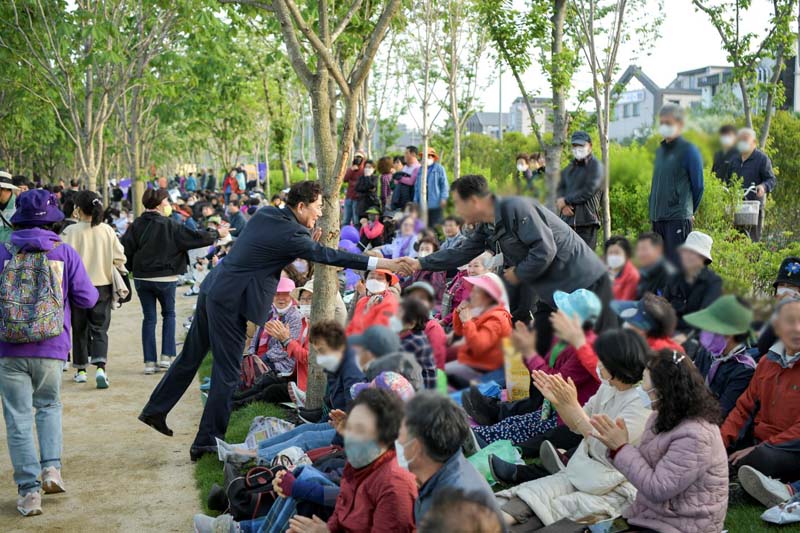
239 290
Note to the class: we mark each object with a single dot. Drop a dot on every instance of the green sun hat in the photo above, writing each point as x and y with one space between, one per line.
373 211
726 316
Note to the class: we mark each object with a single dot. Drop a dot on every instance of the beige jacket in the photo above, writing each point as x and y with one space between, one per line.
99 249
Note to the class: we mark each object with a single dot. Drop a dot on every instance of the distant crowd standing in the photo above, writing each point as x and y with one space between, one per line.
642 389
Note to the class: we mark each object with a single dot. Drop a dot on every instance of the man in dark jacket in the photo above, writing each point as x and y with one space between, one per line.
581 190
755 170
726 152
677 186
211 181
236 218
535 248
654 269
239 290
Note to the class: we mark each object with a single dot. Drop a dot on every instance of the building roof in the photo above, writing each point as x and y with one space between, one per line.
701 70
535 100
634 71
672 90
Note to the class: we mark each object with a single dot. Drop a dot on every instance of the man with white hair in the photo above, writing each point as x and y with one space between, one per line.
677 182
755 170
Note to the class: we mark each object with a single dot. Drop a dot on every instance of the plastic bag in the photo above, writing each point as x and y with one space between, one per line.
263 427
785 513
503 449
490 388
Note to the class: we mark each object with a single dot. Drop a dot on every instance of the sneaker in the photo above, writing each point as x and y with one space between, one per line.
770 492
80 376
297 396
503 472
552 461
30 504
51 481
149 368
165 361
221 524
101 379
190 292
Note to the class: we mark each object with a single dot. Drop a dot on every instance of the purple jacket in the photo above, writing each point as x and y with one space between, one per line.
77 287
681 477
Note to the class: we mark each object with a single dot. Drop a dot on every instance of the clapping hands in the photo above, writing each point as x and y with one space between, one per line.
277 330
553 387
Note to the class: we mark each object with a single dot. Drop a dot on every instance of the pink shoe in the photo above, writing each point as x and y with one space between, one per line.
51 481
30 504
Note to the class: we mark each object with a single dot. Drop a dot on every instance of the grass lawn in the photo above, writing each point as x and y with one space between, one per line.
741 518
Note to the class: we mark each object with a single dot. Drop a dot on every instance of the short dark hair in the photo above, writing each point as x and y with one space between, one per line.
369 162
661 314
655 238
74 182
413 149
623 353
19 179
439 424
471 185
453 218
682 391
726 129
524 157
235 203
460 511
388 410
306 192
152 198
399 159
275 197
329 331
415 314
620 241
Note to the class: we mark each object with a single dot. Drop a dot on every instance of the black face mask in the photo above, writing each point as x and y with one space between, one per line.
357 161
372 218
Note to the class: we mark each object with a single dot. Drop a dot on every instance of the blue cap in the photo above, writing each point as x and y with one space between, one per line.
379 340
582 303
633 313
581 138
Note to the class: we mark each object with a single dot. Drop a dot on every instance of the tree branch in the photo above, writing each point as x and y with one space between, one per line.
345 20
293 44
375 39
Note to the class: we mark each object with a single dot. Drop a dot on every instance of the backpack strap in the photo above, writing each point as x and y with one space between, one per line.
4 220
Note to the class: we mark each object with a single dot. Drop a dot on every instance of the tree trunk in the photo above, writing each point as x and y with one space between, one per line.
553 151
769 110
746 108
286 171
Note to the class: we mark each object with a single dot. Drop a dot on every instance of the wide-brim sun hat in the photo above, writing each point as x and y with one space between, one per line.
492 285
726 316
37 208
633 313
285 285
699 243
6 181
582 303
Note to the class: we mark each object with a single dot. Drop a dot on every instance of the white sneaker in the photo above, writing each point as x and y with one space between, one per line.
551 461
101 379
80 376
51 481
297 396
770 492
30 504
165 361
149 368
208 524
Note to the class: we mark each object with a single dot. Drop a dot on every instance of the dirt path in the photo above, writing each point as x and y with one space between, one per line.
120 474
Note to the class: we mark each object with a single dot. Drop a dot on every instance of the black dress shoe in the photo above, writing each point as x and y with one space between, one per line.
196 452
157 422
310 416
483 410
502 472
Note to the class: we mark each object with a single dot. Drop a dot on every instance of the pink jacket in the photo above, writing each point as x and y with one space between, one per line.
681 477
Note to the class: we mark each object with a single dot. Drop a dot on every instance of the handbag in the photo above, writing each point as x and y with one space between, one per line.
251 496
252 369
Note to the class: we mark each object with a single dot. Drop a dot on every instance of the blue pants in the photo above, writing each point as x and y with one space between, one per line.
350 212
149 293
306 437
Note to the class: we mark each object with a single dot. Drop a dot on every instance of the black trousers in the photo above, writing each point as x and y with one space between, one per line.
775 462
269 388
220 327
608 320
588 234
561 437
90 330
674 233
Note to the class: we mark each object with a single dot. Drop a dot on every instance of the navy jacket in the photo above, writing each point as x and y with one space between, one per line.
547 254
581 187
654 279
677 186
238 222
730 381
270 241
755 170
686 298
337 393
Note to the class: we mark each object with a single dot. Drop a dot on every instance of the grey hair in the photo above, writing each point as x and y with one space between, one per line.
750 132
672 110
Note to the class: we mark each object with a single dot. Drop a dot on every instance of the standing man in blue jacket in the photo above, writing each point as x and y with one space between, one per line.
438 189
239 290
677 186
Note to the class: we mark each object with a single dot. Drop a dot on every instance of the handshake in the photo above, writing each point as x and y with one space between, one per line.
405 266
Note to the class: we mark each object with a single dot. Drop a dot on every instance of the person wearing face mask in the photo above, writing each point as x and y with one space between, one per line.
438 188
351 197
458 290
429 446
727 151
367 190
721 352
156 249
652 317
239 290
786 285
581 189
413 320
585 483
483 321
405 178
623 274
424 292
681 457
677 185
523 178
371 233
385 170
438 280
403 244
654 269
378 350
377 304
754 168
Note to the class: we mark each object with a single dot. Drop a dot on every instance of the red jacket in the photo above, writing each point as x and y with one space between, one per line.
231 180
483 338
351 178
625 282
298 350
438 339
379 497
777 391
377 315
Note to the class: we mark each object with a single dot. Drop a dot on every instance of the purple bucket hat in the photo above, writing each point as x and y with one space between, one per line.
37 208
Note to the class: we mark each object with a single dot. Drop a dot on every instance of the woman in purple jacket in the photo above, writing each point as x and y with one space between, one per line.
30 373
680 468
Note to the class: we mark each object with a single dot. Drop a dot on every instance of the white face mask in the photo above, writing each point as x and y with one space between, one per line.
600 375
423 254
329 361
283 310
644 397
668 131
615 261
785 291
727 141
305 310
580 152
300 265
743 147
368 171
401 454
430 161
395 324
376 287
522 167
477 311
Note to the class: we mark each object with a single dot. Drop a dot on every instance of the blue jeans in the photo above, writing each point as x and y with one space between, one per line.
149 293
306 437
350 212
28 383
